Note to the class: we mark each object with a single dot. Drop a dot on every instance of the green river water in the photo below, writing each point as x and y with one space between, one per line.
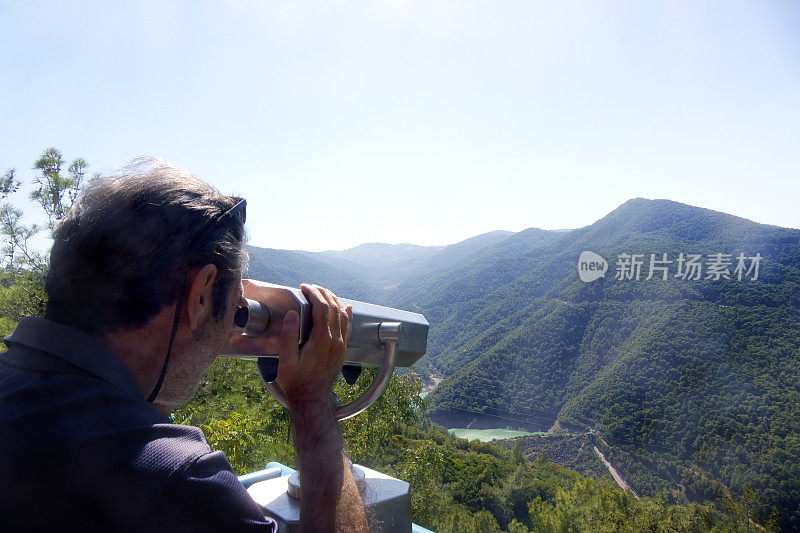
485 435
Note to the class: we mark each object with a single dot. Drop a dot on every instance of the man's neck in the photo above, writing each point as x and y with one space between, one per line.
143 351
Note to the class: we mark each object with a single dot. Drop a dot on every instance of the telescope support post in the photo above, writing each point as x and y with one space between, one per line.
388 334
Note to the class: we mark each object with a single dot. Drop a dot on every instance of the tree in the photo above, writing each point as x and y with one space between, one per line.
57 193
23 270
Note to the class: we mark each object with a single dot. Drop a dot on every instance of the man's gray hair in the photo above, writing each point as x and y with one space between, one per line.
121 253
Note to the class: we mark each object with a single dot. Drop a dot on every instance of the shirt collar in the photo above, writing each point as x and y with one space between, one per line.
76 347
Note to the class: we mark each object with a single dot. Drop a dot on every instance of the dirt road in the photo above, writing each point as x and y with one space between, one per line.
618 478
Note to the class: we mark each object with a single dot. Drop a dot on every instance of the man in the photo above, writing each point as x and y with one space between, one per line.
144 280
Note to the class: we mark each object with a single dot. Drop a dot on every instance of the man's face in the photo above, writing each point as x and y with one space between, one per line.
222 329
186 372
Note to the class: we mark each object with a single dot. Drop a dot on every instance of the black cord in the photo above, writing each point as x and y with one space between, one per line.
175 322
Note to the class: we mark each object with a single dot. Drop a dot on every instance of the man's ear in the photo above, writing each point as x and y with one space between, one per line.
200 299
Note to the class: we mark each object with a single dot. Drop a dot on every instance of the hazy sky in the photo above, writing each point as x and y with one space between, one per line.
424 122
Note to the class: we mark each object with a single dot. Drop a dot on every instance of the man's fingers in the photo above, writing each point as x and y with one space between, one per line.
312 374
336 317
290 332
346 319
320 331
348 327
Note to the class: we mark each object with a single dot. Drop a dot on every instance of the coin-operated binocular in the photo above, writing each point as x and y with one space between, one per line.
380 336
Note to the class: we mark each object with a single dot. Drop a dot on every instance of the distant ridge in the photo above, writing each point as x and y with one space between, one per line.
387 265
699 373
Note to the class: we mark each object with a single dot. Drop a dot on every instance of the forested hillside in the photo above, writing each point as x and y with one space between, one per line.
285 267
456 486
694 383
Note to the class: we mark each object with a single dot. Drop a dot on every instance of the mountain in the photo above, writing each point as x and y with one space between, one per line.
386 265
694 383
690 387
444 296
421 283
372 272
286 267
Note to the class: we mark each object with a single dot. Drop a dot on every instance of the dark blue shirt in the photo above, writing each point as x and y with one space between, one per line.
80 448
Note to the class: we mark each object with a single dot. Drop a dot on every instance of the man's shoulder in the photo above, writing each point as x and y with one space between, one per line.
84 417
94 452
67 399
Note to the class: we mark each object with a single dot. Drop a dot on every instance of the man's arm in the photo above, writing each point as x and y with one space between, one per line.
328 492
329 497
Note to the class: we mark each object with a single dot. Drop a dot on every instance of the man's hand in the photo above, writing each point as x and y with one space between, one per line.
307 377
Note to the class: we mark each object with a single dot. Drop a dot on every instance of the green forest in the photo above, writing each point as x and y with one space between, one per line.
691 389
694 385
456 485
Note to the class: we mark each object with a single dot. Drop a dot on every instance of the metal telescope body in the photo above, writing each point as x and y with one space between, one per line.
380 336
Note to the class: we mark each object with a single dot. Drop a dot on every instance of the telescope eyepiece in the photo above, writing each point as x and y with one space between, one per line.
241 316
252 317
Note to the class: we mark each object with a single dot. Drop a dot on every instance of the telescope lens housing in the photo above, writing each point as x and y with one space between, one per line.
253 317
